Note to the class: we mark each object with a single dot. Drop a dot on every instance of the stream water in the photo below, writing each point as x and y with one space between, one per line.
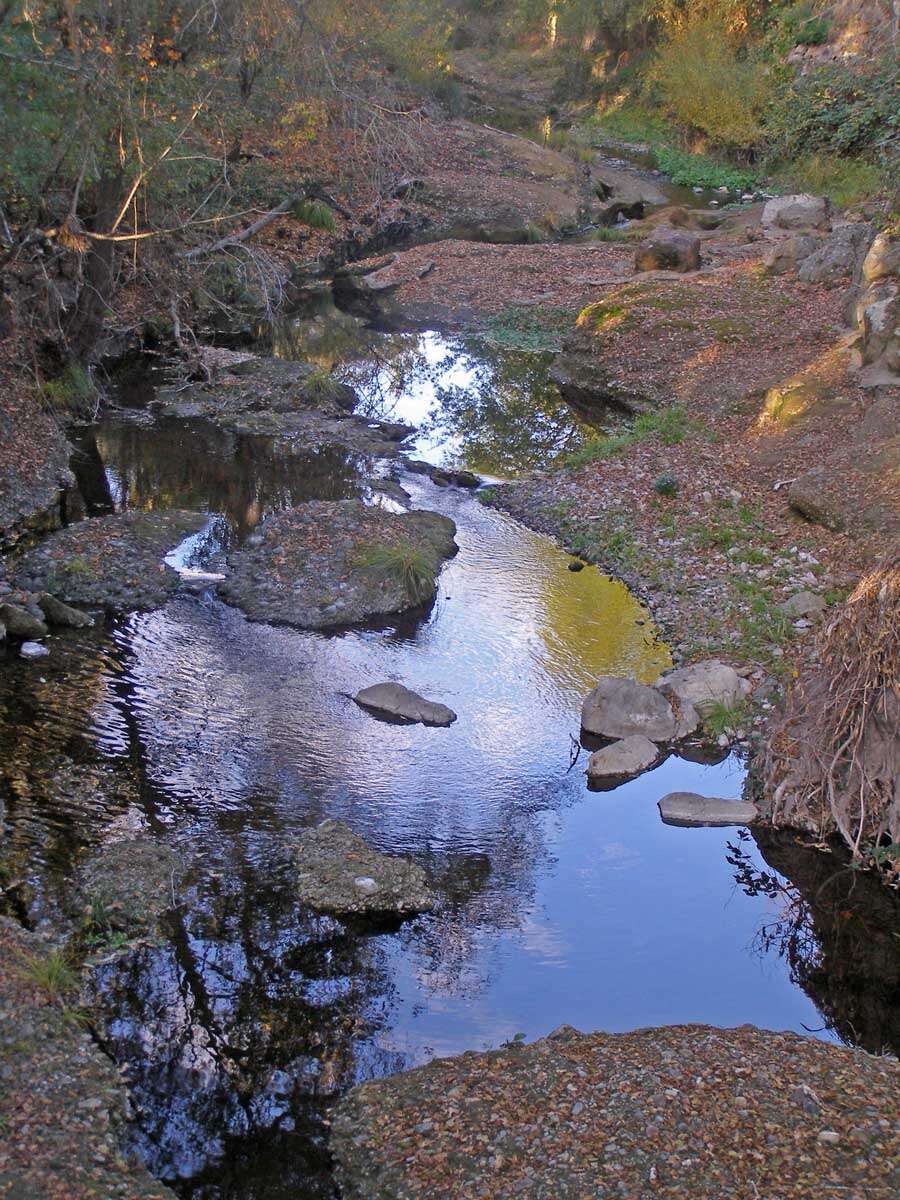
557 905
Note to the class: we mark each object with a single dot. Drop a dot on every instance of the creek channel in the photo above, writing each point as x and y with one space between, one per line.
557 905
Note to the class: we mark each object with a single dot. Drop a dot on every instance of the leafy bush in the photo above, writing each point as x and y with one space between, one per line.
708 87
697 170
835 110
666 485
798 25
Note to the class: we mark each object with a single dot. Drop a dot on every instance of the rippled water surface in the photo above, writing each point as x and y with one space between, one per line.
557 905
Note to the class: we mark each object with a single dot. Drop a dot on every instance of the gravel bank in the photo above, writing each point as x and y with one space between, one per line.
674 1112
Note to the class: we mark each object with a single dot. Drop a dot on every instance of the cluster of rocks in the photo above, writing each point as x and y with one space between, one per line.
331 563
27 617
805 239
640 723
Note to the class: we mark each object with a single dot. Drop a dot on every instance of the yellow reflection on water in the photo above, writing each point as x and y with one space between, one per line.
593 625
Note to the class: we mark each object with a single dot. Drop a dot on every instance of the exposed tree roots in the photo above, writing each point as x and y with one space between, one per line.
833 765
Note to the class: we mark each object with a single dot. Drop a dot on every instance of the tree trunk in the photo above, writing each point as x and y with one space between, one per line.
98 272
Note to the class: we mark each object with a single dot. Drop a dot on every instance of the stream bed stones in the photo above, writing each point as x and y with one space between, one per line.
113 562
339 873
600 1114
332 563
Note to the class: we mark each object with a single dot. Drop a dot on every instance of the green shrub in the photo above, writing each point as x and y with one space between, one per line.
798 25
314 213
843 180
706 86
52 972
412 567
666 485
698 170
72 393
834 110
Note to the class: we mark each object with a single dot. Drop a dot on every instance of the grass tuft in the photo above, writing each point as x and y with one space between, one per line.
412 567
53 972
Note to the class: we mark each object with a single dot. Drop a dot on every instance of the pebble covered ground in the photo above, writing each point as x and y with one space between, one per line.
111 562
61 1100
672 1113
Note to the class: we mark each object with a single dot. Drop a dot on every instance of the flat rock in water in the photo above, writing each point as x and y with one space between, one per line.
113 562
673 1112
134 881
395 700
339 873
330 563
619 708
620 761
688 808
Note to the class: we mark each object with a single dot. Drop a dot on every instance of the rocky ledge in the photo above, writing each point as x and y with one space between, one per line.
112 562
329 563
62 1104
674 1112
339 873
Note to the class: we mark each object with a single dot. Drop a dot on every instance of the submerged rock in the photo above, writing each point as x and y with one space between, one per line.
618 708
33 650
113 562
688 808
576 1115
339 873
330 563
395 700
620 761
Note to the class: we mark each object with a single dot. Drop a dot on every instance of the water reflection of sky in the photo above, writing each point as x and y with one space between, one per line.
558 905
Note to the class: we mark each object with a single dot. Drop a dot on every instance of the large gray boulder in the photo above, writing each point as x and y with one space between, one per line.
703 685
839 257
621 760
395 700
618 708
668 250
690 809
338 872
790 213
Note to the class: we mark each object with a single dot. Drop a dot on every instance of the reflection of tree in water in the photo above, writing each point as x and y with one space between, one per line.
510 417
243 1026
196 465
505 414
839 931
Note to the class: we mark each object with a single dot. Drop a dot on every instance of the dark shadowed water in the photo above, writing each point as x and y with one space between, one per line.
557 905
